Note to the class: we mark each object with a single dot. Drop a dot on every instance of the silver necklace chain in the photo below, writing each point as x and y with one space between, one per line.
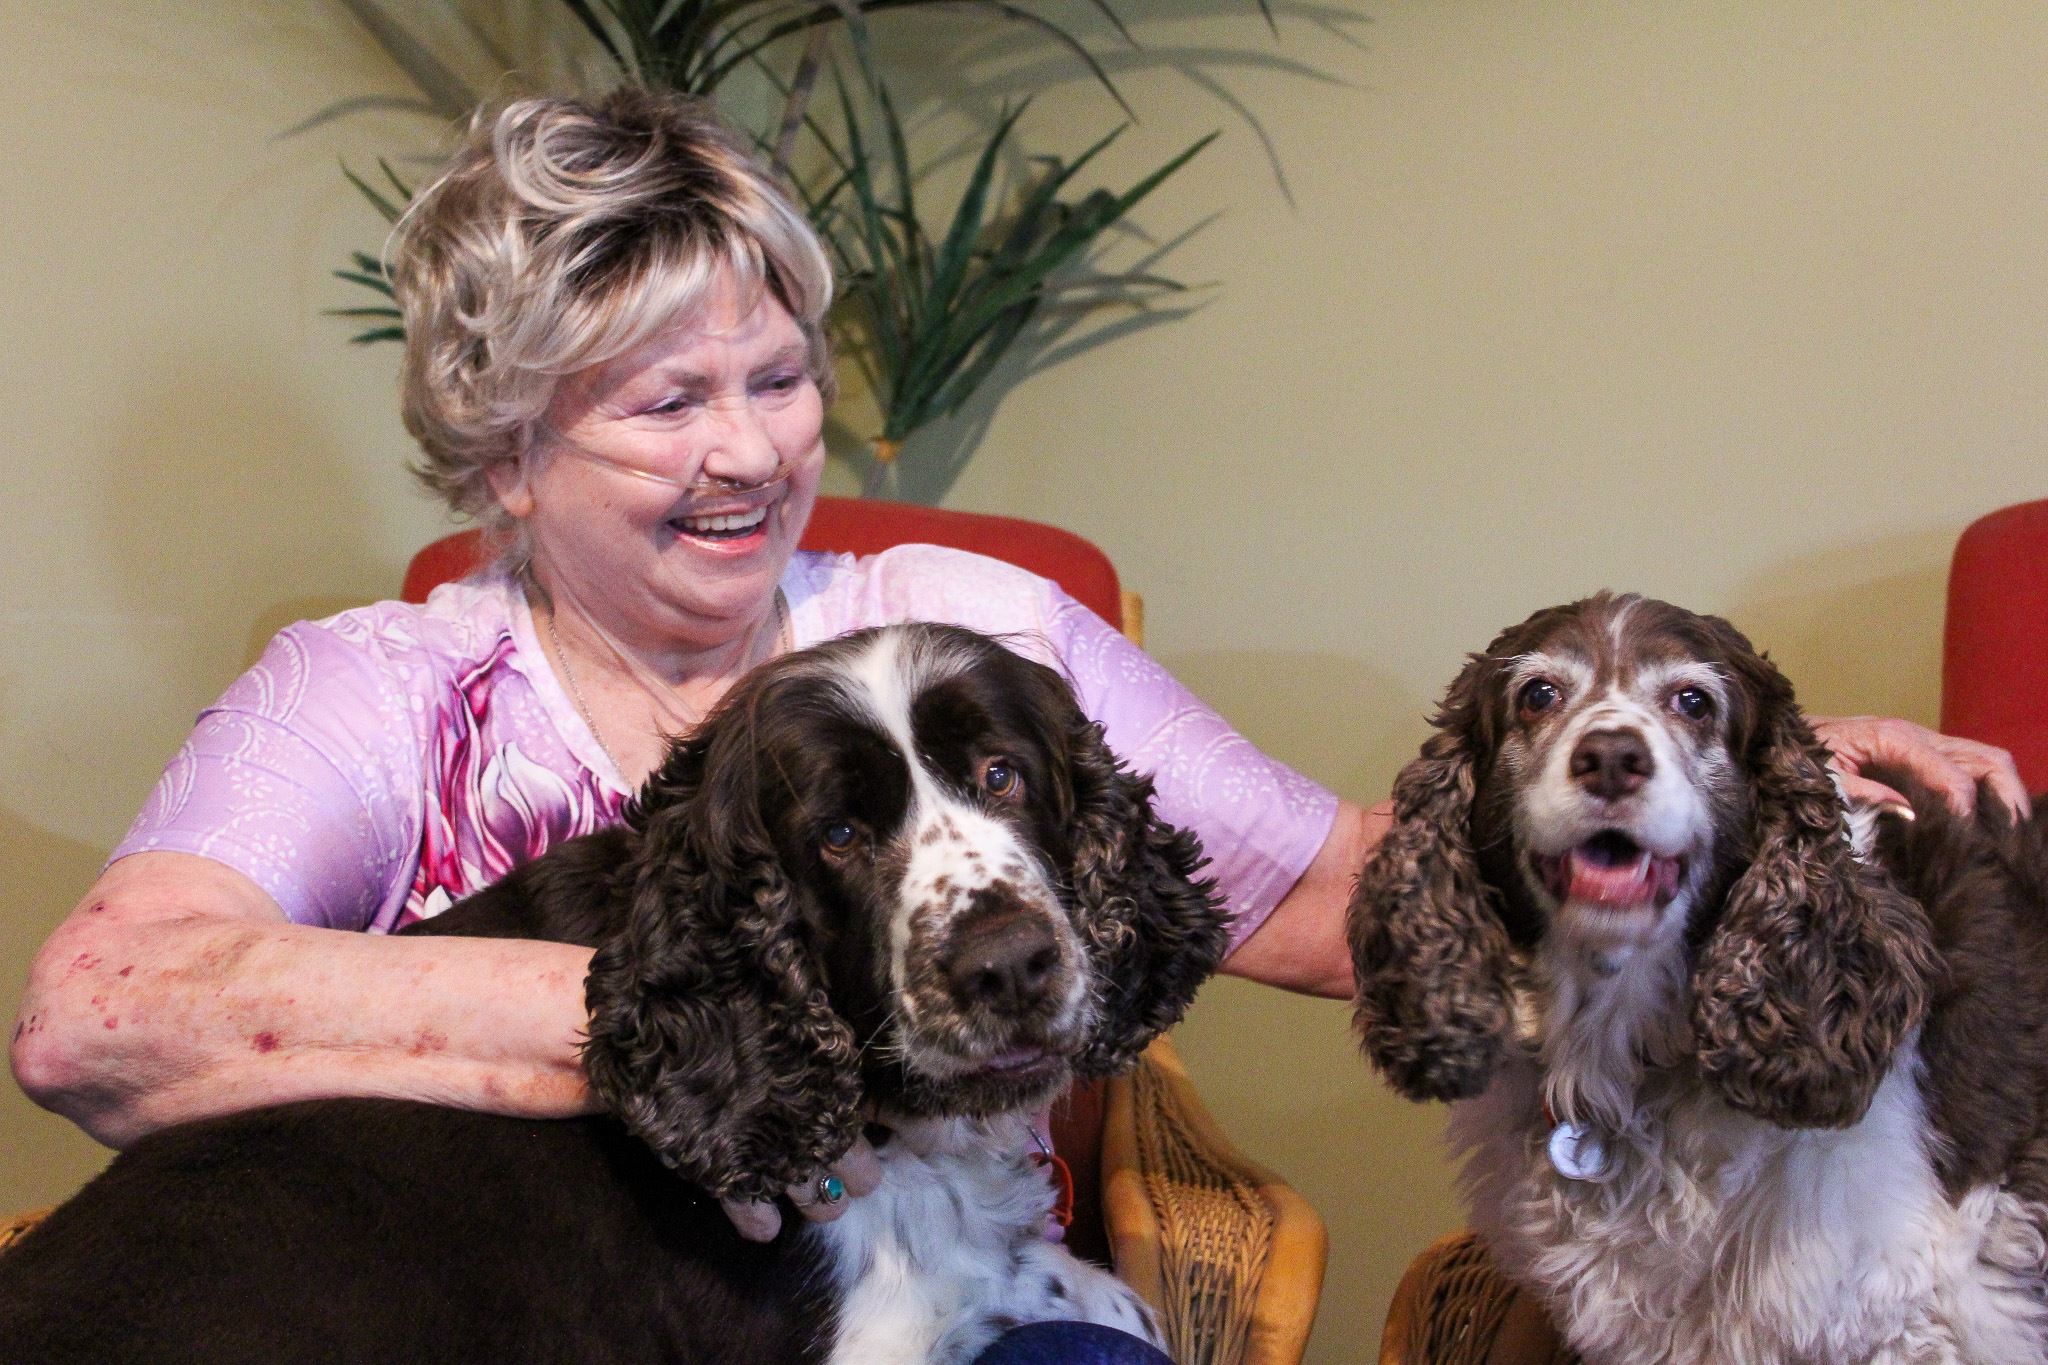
782 645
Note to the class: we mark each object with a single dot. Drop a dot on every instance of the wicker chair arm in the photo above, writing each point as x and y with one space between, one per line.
1453 1308
1228 1254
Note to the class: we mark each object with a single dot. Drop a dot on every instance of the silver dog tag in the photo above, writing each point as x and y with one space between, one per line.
1578 1154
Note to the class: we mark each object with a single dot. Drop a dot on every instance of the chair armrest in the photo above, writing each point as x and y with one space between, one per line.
1453 1308
1229 1256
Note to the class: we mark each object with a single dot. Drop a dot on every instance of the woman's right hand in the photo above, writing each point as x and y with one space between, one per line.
859 1172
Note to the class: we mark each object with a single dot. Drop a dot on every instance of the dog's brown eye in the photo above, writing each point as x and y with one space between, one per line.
1537 696
1693 703
839 837
1000 779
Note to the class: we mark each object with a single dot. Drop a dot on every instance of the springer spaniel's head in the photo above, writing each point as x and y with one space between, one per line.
1631 786
899 866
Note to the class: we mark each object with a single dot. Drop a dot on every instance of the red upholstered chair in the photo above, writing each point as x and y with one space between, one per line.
1994 658
1230 1256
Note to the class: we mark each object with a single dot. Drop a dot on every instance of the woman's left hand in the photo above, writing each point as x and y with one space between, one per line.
1948 765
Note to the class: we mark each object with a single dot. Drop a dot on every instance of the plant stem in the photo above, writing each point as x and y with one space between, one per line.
799 102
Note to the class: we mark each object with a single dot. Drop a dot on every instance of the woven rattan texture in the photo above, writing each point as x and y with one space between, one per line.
1215 1232
1465 1300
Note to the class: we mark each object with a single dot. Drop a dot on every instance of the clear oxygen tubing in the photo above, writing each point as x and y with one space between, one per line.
719 495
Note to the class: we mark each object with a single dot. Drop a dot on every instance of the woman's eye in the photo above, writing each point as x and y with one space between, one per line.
839 837
1692 702
1000 779
782 385
672 407
1537 696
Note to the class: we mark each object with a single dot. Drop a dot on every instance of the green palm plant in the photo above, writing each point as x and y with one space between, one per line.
386 322
928 320
695 46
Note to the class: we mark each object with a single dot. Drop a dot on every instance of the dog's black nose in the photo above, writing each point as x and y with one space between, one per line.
1611 764
1003 961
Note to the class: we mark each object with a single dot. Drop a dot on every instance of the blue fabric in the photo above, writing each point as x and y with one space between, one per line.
1070 1343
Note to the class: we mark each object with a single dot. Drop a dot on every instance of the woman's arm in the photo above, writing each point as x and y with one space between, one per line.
1302 945
178 990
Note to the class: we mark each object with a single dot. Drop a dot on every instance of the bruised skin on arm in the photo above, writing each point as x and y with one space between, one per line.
178 990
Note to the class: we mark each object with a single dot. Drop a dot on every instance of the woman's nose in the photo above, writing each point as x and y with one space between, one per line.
741 449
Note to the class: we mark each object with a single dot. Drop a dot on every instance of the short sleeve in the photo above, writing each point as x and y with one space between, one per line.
305 777
1260 821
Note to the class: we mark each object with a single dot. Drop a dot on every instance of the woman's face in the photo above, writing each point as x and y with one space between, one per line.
727 404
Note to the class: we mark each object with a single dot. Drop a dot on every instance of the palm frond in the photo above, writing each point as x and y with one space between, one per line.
446 91
933 321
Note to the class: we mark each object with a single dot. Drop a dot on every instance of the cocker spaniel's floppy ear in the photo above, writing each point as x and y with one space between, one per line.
1429 953
1817 966
1154 928
710 1034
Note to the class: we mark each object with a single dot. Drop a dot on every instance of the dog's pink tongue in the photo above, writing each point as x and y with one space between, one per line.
1640 881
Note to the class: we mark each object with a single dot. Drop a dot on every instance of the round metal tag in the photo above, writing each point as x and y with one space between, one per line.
1578 1154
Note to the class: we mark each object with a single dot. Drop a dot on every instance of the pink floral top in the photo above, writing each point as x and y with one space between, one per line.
374 767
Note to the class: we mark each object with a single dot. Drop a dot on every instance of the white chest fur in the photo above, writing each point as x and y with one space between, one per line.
950 1252
1722 1238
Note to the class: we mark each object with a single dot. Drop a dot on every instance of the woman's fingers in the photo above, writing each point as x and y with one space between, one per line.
857 1173
1950 766
819 1200
757 1220
1864 792
1990 764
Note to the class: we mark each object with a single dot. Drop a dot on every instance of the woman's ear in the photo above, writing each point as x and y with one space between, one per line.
711 1035
1817 967
512 486
1429 953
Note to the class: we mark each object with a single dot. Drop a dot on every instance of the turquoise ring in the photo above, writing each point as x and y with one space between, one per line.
831 1189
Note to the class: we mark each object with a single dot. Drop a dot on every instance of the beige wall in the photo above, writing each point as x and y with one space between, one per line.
1743 304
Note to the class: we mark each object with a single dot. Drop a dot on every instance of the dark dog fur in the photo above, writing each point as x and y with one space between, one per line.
739 1020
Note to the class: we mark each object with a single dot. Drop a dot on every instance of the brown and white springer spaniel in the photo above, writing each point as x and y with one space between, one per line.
898 870
1732 1084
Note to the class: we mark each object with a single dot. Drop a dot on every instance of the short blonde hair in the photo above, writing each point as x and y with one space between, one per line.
562 234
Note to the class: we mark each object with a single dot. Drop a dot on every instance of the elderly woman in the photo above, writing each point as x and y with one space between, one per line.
614 358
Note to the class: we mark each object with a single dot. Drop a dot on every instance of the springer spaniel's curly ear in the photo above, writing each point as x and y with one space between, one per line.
1155 931
1817 967
1428 950
710 1032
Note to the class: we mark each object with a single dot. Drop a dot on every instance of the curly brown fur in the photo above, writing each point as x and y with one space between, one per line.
1984 883
1154 924
744 1003
1808 968
711 1033
1817 966
1727 1092
1429 952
